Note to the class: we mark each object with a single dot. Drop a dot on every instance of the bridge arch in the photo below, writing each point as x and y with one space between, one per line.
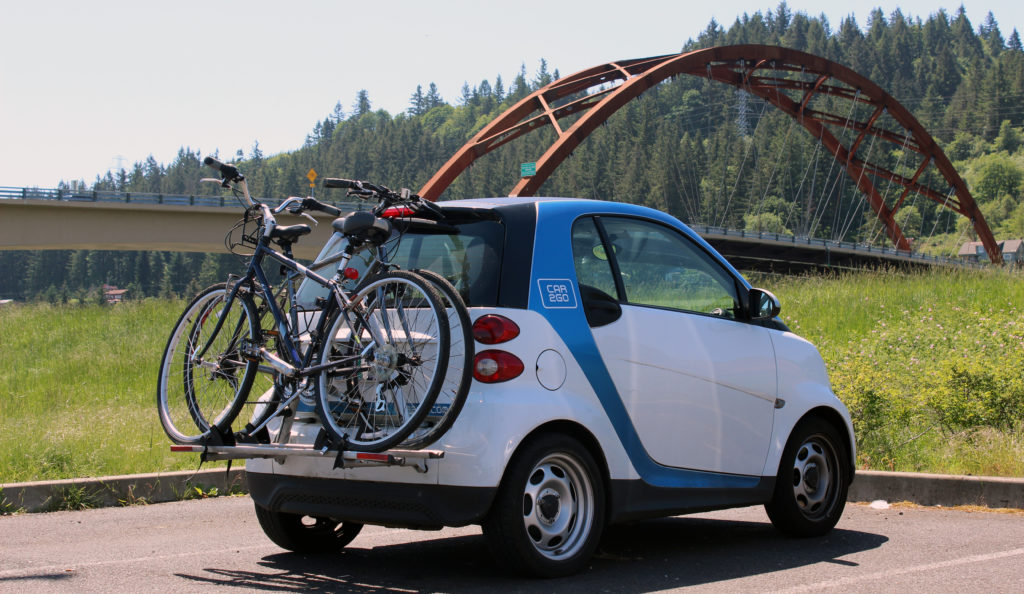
790 80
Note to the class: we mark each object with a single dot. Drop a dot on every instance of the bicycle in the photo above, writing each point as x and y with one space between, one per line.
374 356
406 210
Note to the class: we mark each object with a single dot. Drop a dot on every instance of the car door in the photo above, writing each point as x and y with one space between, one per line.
698 382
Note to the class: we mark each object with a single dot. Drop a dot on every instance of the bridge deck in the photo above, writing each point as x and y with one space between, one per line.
67 219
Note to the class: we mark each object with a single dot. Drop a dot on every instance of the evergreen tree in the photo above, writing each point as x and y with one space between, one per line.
417 102
433 98
362 106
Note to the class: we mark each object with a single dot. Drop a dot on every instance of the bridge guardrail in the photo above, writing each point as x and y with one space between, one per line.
828 244
72 195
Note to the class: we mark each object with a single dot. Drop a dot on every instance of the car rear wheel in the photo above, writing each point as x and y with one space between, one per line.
306 534
811 487
549 513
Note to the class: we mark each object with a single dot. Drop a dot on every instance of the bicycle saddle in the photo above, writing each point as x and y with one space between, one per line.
290 233
363 226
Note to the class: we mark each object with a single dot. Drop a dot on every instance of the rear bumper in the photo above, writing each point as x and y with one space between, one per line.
408 505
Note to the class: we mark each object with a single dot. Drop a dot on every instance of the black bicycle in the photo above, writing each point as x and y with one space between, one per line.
372 353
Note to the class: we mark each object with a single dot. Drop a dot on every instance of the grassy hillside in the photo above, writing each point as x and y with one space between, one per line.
930 364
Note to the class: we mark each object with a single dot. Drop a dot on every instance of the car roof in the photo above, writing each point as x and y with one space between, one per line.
585 205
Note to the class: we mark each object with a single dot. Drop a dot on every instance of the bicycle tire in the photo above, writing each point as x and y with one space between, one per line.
459 375
195 398
373 394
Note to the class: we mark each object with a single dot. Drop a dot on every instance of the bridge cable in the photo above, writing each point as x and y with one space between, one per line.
852 215
743 163
812 161
945 202
771 177
835 159
881 228
785 144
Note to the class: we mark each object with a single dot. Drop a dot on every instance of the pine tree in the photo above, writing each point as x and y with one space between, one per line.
433 98
417 102
362 106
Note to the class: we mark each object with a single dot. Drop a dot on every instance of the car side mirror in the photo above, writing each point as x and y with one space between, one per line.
762 304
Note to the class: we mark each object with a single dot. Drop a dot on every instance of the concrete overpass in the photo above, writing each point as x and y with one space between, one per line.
32 219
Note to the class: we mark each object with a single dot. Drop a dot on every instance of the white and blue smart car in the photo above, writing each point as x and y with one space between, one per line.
623 370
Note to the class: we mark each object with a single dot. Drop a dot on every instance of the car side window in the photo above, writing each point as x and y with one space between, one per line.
590 258
663 268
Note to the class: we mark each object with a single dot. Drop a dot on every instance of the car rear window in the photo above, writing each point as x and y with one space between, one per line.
469 257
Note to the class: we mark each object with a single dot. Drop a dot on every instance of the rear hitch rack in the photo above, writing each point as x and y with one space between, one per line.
416 459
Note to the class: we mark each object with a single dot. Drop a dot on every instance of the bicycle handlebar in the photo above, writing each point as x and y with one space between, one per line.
229 175
314 204
228 172
337 182
386 196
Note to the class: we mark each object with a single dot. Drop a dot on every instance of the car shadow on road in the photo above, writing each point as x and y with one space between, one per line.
645 556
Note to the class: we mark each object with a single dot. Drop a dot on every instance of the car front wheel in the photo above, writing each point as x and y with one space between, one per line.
549 513
810 489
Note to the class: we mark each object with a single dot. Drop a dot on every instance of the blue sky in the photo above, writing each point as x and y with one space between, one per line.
86 87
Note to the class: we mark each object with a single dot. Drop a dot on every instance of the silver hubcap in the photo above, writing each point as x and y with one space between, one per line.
558 506
814 476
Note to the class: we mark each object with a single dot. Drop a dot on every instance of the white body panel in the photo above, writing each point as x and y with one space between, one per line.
700 390
804 386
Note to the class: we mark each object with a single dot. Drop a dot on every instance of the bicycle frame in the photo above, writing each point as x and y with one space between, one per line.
295 364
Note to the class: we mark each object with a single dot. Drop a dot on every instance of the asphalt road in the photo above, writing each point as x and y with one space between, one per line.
217 544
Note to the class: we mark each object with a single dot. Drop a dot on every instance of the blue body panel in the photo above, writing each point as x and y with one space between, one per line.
555 295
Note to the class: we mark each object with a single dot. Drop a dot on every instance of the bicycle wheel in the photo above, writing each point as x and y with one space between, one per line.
459 374
203 379
385 361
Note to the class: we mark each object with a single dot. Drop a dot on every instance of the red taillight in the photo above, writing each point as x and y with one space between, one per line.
494 366
350 273
494 329
395 212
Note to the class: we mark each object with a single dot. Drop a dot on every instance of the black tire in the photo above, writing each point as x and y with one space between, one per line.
459 374
306 534
195 397
813 479
373 394
548 516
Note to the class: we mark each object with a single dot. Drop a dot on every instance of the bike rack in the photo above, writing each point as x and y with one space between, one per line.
416 459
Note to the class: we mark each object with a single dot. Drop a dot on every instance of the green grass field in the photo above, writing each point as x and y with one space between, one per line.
78 390
930 364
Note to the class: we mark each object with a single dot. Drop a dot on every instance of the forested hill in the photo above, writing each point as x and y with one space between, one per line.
685 147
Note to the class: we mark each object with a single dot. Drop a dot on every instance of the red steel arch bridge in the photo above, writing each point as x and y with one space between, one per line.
842 110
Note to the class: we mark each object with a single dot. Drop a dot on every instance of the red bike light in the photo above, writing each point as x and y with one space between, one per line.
493 366
350 273
395 212
494 329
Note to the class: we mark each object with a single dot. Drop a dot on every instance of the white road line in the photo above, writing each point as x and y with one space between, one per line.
71 566
846 581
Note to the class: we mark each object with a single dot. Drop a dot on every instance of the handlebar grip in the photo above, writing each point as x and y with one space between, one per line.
337 182
228 172
314 204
